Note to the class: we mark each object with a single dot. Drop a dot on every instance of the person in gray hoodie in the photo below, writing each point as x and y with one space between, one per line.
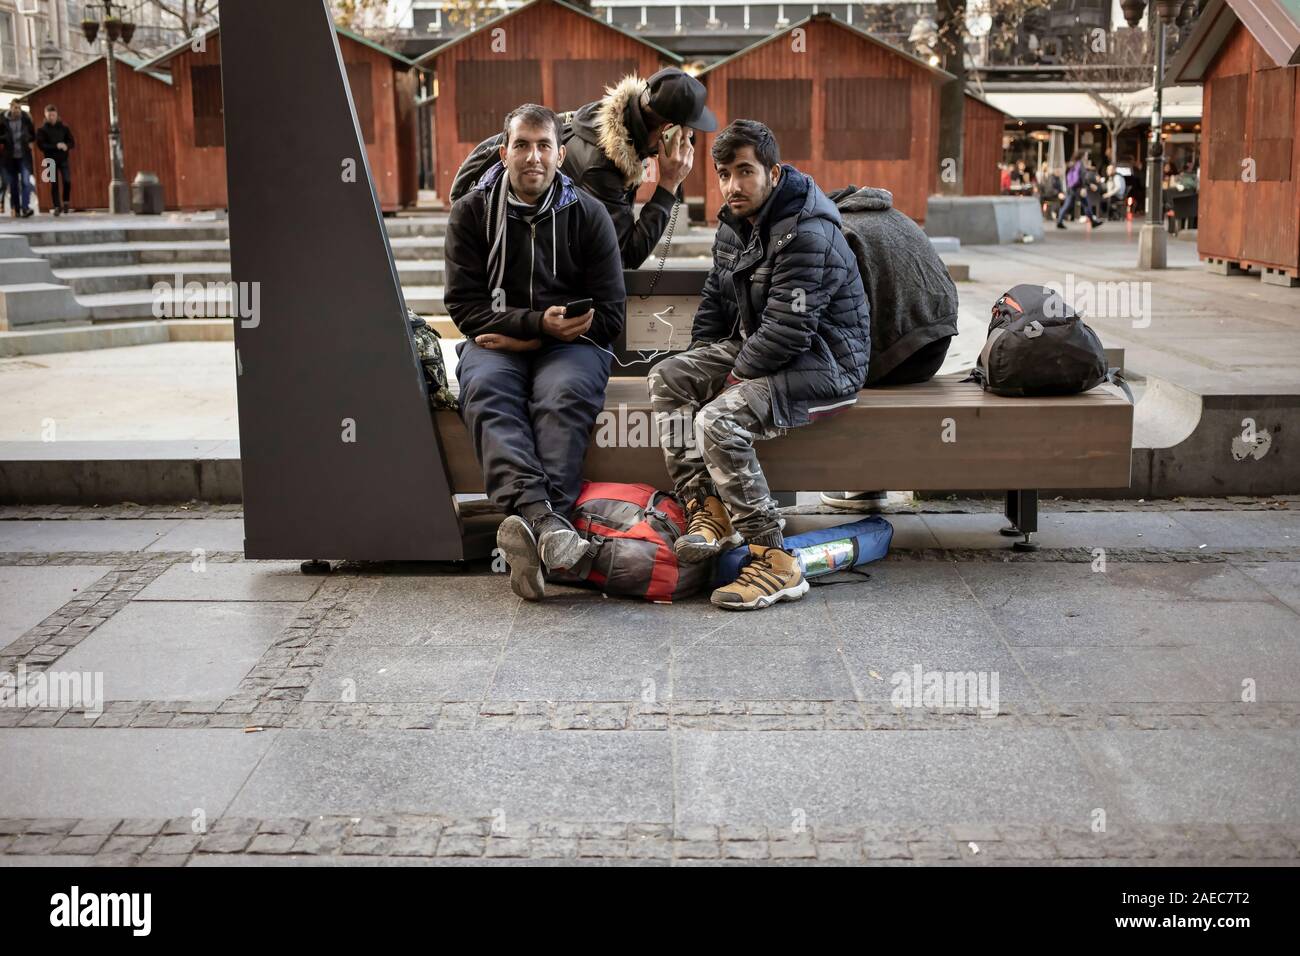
913 302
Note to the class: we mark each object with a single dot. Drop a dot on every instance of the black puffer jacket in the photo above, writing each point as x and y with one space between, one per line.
804 313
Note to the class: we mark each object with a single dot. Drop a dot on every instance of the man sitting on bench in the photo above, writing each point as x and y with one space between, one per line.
782 336
523 244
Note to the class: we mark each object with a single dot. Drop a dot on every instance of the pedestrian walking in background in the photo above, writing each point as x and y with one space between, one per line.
1077 190
17 132
55 141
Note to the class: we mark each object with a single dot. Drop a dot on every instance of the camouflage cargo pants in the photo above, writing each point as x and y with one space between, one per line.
707 432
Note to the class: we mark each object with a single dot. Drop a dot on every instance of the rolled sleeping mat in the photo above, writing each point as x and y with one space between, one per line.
823 551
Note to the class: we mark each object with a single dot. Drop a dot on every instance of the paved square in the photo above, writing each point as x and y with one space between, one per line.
32 594
246 581
183 650
391 715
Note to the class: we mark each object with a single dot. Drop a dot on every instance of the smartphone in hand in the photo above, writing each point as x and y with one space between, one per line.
574 309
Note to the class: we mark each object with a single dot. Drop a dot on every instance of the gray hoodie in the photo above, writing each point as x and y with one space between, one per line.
913 299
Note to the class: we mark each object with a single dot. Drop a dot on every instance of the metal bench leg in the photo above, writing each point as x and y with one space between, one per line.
1012 511
1022 512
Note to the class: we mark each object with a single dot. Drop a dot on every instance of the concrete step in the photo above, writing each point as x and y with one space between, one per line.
32 303
94 280
14 247
84 336
75 235
139 304
25 270
72 256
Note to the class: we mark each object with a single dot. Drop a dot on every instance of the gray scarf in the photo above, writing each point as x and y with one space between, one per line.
497 198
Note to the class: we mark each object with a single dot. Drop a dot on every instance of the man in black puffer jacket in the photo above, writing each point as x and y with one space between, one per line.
782 337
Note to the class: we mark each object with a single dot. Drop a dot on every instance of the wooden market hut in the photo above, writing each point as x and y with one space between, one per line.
1247 55
145 119
981 150
545 51
846 107
383 91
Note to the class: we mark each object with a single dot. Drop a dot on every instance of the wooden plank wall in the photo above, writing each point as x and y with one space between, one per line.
1253 222
833 52
544 33
385 143
146 117
382 111
981 148
200 170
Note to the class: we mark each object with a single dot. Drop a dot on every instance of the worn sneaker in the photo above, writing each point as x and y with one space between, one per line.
772 575
708 531
558 544
519 547
855 500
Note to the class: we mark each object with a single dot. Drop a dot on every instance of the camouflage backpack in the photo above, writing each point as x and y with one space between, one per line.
429 349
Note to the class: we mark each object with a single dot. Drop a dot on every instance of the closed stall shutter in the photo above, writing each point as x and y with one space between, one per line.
486 90
1273 130
1228 129
784 106
579 82
205 97
868 117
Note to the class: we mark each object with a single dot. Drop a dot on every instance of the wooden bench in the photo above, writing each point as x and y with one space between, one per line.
942 435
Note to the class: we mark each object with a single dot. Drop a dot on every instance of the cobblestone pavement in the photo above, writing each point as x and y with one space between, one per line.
1144 667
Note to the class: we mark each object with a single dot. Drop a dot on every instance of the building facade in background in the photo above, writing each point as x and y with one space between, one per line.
33 31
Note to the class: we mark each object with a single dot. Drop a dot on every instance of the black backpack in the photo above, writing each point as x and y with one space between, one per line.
1038 345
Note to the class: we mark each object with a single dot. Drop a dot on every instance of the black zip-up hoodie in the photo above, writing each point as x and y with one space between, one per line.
566 253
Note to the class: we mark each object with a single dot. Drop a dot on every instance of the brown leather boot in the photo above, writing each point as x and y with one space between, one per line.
708 531
772 575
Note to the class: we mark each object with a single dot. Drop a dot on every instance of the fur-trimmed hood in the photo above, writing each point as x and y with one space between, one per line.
613 125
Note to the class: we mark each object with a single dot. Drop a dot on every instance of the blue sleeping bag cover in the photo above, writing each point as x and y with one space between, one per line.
872 534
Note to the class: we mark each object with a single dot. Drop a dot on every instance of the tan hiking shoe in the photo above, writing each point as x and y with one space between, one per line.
772 575
708 531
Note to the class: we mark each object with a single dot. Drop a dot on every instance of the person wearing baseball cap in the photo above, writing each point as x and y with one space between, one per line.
605 147
611 138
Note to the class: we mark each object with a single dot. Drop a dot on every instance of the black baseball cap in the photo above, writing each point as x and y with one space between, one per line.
679 98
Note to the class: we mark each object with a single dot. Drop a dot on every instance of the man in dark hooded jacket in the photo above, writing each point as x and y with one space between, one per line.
913 303
606 145
782 337
520 247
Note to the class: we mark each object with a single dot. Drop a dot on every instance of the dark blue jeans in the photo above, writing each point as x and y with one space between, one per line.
1071 197
530 415
18 172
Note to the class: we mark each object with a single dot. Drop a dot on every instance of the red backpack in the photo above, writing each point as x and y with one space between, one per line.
630 530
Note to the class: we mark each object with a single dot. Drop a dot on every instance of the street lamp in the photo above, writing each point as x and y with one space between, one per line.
1151 243
108 16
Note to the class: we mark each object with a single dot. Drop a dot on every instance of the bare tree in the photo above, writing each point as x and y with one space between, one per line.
369 17
953 32
471 13
189 16
1110 67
